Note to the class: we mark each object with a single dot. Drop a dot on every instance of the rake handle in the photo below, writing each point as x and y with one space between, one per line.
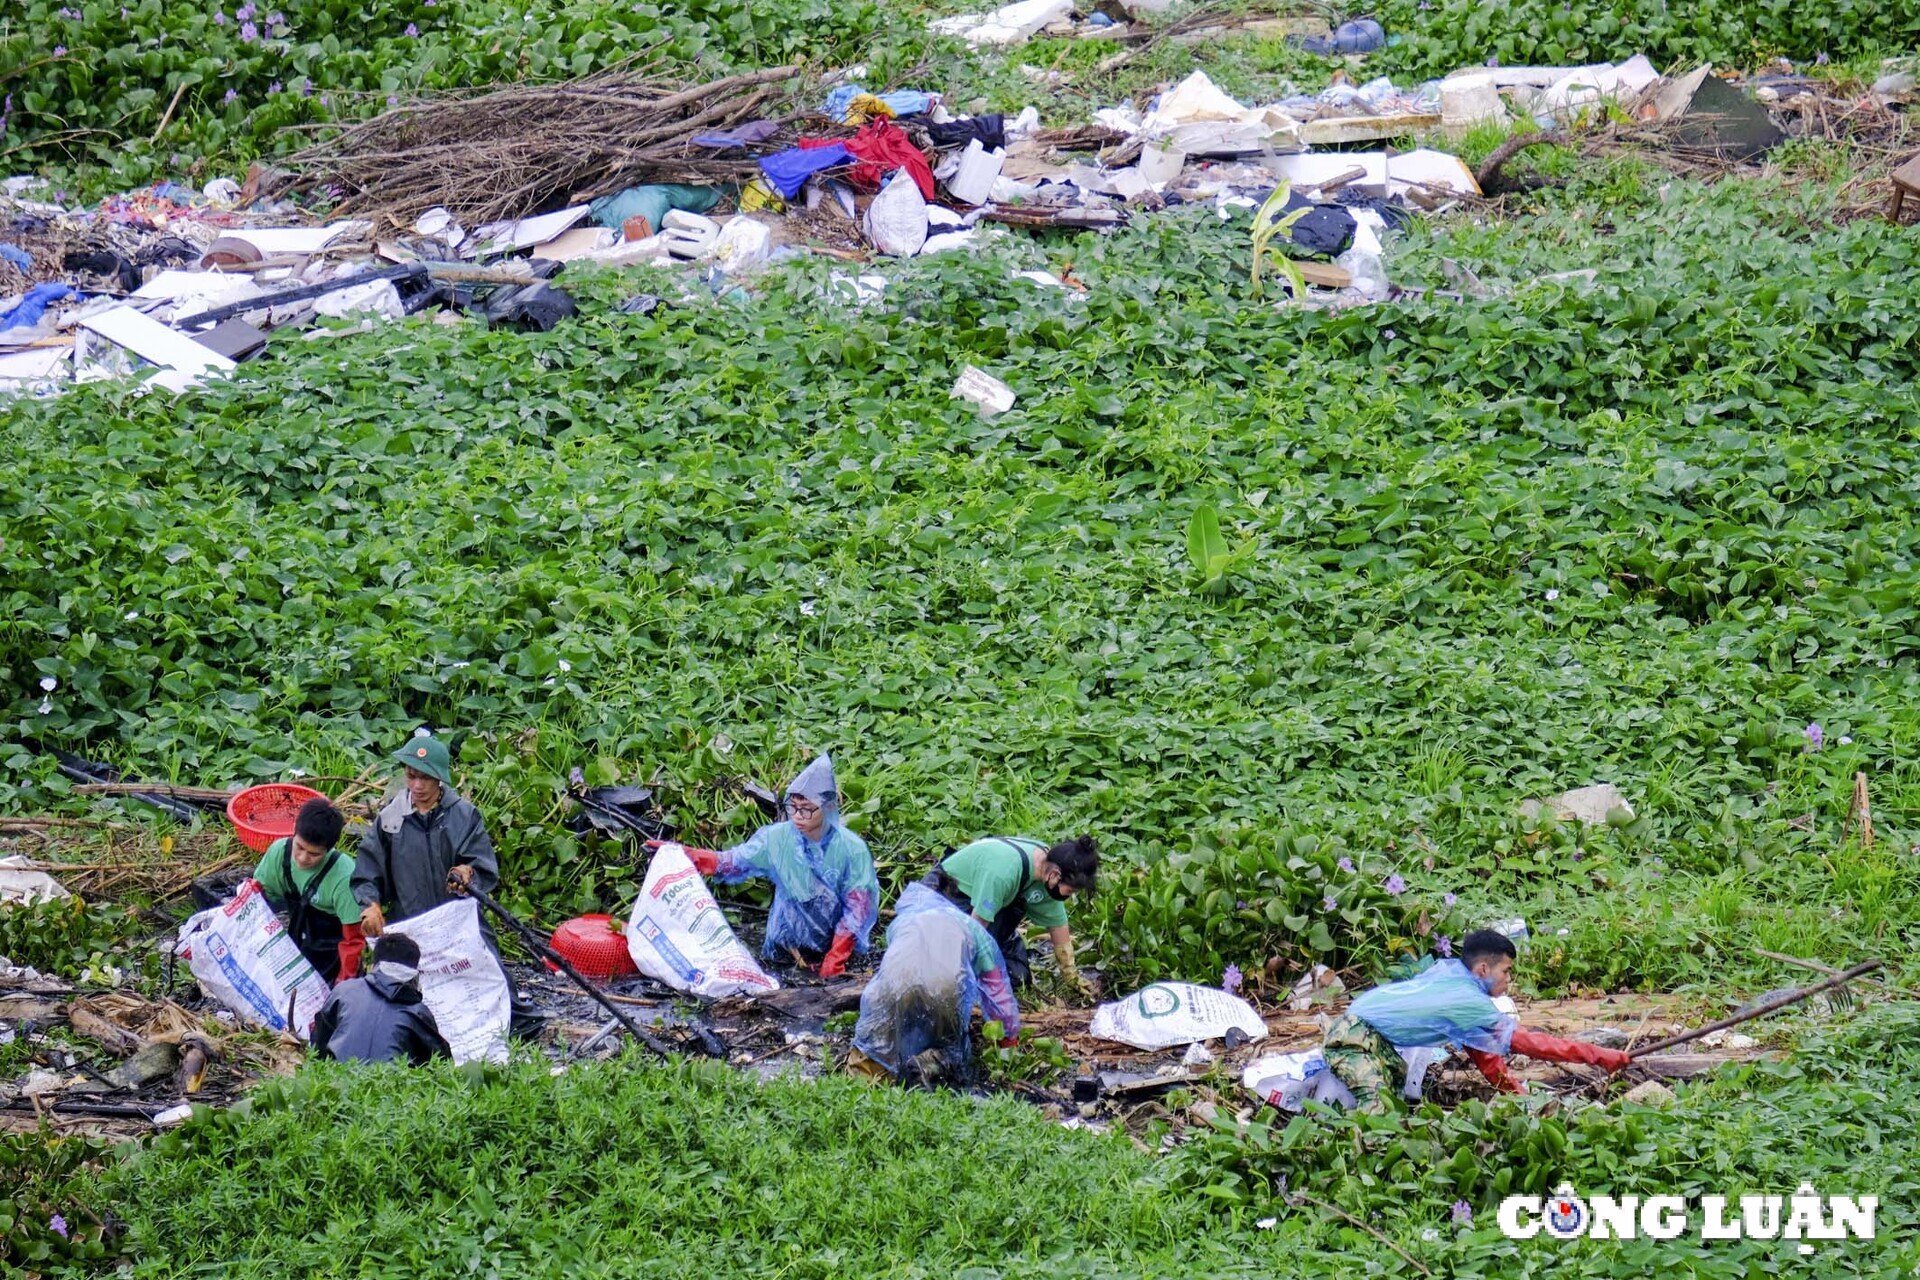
1761 1011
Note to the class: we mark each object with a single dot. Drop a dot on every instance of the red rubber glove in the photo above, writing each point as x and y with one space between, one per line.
835 963
1553 1049
352 944
1494 1068
705 861
1011 1042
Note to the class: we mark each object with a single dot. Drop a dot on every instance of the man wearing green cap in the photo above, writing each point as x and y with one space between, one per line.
424 838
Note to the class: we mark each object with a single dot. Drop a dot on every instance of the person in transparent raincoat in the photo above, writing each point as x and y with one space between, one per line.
939 964
825 894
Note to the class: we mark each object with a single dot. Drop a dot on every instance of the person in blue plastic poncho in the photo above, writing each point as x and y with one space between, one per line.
825 894
939 964
1449 1003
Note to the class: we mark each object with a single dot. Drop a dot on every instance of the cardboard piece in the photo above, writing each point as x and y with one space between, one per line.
500 237
1714 117
234 339
576 243
154 342
272 241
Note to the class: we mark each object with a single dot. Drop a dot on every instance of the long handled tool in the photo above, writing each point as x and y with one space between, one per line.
1760 1010
539 946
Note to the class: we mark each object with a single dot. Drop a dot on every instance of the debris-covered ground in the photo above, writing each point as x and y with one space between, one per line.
1384 474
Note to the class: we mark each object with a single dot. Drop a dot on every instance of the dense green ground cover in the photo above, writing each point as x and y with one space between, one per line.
1645 531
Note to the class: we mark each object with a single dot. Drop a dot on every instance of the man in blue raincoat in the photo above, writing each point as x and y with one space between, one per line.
825 894
1451 1002
940 963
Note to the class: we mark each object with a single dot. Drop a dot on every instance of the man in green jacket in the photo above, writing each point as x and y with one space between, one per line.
425 849
1007 881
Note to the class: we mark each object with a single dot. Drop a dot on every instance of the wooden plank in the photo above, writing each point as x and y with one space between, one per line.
1324 275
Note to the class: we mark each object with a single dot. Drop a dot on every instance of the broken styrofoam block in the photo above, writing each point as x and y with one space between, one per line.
1009 25
1128 184
1431 172
632 253
1468 99
1161 164
155 342
1594 806
990 396
1317 169
743 246
1194 99
688 235
947 241
896 221
973 179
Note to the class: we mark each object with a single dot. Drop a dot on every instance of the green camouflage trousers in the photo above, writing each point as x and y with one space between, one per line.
1372 1068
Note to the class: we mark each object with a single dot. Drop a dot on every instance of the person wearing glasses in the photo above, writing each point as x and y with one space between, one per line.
825 894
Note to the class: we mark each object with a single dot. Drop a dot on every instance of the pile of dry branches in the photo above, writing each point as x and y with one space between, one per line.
518 150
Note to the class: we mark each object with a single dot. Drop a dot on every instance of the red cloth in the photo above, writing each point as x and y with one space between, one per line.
352 943
882 147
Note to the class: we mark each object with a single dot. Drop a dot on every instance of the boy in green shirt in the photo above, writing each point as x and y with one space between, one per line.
310 880
1007 880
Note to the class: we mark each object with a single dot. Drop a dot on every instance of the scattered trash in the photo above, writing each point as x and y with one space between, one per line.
975 173
1598 805
1289 1081
1321 986
989 396
1712 117
1649 1093
1010 25
1197 1055
742 246
677 934
1732 1040
1174 1013
24 883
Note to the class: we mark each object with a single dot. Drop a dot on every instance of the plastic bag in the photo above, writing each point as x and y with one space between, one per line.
897 219
677 934
461 980
1291 1080
1174 1013
242 956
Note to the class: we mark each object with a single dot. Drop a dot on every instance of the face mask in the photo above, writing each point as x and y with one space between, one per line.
1057 893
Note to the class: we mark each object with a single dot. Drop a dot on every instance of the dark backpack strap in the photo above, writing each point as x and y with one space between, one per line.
1026 865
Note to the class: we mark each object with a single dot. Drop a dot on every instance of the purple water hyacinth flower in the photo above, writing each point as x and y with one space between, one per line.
275 87
233 95
219 18
1329 902
1345 864
245 11
1230 979
1462 1213
1448 900
1395 885
1816 736
411 31
306 87
59 51
71 15
58 1225
249 33
1443 945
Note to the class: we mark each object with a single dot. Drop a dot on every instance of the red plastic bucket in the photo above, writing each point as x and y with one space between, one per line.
260 815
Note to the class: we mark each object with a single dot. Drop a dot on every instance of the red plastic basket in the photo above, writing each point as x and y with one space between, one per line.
260 815
596 947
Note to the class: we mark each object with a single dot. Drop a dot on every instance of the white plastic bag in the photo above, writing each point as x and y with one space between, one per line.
461 981
897 218
1171 1013
678 934
242 956
743 246
1290 1080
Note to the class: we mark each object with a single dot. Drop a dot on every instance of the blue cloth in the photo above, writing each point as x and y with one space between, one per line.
1444 1005
34 305
902 102
17 256
939 965
747 134
788 171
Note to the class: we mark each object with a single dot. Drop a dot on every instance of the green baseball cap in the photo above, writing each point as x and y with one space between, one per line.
428 756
